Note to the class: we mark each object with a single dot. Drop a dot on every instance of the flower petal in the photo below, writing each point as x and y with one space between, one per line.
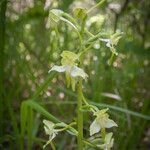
108 137
108 45
48 124
52 136
94 127
55 14
58 68
78 72
105 40
110 123
47 131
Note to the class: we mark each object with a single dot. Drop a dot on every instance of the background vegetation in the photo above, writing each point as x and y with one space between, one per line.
28 49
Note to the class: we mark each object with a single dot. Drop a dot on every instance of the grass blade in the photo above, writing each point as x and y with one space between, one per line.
34 105
133 113
44 85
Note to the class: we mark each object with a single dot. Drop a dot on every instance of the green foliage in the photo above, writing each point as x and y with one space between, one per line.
31 47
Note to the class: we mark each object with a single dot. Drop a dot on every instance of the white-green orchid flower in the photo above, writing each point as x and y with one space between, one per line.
113 41
102 121
50 130
69 66
108 142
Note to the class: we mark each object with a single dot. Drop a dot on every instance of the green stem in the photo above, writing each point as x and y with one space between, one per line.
29 129
3 6
80 117
111 59
97 5
53 146
103 133
80 95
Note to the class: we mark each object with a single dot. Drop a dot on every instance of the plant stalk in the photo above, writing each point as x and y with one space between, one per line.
80 117
103 133
3 6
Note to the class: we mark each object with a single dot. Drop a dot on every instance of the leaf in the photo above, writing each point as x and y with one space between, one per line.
24 110
136 114
104 105
34 105
44 85
30 127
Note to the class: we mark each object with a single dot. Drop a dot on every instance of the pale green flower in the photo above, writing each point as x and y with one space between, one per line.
113 41
108 142
50 130
80 13
55 14
69 66
97 20
102 121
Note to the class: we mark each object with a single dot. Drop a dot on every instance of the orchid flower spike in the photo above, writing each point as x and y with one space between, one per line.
101 121
69 66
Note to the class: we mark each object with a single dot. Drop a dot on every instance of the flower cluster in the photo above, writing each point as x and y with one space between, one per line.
70 65
101 122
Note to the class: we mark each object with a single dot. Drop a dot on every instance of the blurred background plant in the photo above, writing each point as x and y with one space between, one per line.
29 48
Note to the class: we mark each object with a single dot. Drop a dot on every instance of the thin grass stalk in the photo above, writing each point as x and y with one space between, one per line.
3 6
29 128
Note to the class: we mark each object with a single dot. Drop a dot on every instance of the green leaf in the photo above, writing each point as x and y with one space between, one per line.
136 114
24 110
34 105
104 105
42 87
30 127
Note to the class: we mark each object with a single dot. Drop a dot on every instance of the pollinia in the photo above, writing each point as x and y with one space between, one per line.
72 67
